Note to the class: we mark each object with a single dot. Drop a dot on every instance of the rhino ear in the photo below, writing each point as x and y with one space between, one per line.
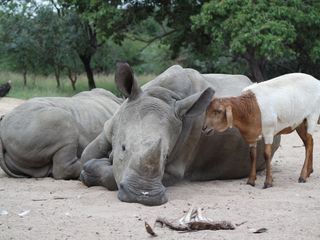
195 104
126 82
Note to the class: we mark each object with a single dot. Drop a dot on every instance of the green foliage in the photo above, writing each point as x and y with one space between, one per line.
65 38
18 43
38 43
261 31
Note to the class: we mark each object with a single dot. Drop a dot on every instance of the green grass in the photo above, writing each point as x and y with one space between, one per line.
45 86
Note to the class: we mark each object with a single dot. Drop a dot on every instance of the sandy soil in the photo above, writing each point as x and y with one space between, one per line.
69 210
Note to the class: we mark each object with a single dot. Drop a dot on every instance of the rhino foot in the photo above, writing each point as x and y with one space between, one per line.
89 180
98 172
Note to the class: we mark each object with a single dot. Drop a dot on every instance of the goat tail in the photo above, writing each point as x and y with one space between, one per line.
3 164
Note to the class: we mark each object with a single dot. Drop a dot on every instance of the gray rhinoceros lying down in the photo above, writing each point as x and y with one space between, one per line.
46 136
156 138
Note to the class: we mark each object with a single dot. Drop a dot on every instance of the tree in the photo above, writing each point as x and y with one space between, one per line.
306 19
84 27
18 42
36 39
52 37
174 19
259 32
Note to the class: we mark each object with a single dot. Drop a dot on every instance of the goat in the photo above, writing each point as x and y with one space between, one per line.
274 107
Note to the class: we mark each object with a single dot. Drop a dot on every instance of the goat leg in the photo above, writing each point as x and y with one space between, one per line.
253 171
267 156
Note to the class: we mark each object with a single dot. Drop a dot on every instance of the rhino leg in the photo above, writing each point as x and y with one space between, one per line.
98 149
65 163
98 172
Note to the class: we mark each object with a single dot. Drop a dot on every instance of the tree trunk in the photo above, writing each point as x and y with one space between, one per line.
73 79
256 71
87 67
256 64
73 84
257 67
57 75
24 77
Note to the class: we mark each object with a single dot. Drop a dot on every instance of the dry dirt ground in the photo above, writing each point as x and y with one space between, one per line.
69 210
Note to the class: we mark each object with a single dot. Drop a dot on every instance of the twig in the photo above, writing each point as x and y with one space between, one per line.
40 199
149 230
195 221
45 199
196 225
239 224
59 198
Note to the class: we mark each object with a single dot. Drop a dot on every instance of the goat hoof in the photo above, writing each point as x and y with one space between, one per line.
267 185
251 183
302 180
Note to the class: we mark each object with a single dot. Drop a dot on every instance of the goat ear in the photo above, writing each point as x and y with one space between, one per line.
229 116
126 82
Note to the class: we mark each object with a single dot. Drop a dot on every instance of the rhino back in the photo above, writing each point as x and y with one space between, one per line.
183 82
89 110
227 85
187 81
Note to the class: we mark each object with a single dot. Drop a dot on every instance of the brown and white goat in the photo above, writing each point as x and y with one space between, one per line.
278 106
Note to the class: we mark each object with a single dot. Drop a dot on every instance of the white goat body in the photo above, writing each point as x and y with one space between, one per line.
286 101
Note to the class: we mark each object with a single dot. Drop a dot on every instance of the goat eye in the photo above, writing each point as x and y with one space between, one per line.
123 147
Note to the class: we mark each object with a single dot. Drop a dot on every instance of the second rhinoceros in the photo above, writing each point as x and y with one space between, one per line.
46 136
156 139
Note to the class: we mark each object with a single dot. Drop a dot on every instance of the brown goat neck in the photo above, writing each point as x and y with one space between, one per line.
246 115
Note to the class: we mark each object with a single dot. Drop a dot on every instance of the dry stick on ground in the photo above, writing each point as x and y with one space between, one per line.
149 229
195 221
45 199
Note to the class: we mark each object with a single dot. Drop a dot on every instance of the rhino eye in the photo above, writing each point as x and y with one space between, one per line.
123 147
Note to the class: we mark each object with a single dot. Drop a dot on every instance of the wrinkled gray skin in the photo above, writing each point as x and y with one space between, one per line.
46 136
156 138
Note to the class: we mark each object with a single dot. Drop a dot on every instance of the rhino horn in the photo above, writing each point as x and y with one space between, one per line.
126 81
152 161
154 153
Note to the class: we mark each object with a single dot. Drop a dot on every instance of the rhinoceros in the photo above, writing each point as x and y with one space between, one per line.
46 136
155 138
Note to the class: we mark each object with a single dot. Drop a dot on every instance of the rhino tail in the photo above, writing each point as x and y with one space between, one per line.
3 164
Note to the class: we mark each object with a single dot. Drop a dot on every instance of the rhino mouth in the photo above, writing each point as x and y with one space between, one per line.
153 197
